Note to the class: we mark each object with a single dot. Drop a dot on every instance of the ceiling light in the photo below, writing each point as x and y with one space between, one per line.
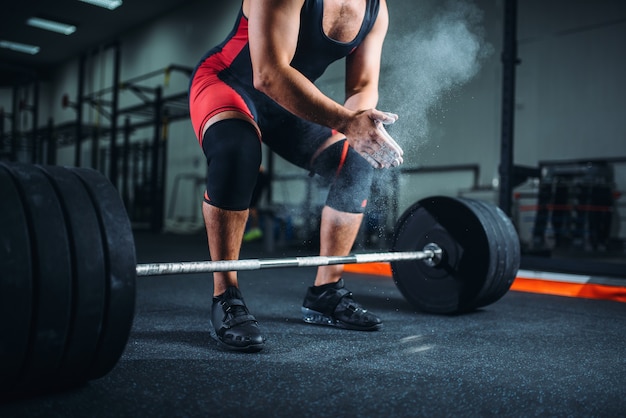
107 4
16 46
51 25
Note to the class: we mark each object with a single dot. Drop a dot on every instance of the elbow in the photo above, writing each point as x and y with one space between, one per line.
270 77
262 80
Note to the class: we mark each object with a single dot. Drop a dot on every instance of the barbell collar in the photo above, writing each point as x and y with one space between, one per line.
433 252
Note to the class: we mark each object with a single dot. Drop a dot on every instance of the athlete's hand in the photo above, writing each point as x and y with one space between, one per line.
368 136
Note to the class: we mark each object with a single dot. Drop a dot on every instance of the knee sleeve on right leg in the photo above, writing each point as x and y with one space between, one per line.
350 174
233 153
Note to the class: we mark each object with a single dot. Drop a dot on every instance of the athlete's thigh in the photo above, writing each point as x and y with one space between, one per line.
293 138
210 96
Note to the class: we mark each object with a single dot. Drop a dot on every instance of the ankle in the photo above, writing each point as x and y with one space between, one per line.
221 286
318 289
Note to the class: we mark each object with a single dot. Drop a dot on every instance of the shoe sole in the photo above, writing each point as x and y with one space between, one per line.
317 318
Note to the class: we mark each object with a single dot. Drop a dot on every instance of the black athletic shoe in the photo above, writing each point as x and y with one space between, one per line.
235 328
333 305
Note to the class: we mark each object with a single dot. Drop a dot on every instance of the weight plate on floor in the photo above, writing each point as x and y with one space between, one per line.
497 250
511 251
514 246
452 285
16 283
52 277
120 266
88 274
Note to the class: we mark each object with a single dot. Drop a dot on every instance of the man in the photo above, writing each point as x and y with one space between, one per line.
257 86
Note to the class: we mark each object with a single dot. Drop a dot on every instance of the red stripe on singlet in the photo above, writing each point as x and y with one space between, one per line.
344 154
234 46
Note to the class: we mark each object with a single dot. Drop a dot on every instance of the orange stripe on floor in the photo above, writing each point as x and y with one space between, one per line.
576 290
374 269
541 285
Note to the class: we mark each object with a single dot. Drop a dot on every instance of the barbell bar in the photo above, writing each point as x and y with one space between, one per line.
432 252
68 269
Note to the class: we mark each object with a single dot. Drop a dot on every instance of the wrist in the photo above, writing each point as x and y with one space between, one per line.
344 116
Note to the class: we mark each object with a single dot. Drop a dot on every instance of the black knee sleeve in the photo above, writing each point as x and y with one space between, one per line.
233 153
350 176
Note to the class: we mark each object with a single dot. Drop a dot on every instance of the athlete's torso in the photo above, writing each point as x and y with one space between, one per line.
327 37
316 49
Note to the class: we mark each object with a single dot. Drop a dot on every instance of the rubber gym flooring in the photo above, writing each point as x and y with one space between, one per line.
526 355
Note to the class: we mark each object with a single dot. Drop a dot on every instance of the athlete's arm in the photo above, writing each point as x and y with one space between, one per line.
363 66
363 71
273 27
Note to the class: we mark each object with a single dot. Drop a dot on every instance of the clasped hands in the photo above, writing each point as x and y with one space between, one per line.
375 144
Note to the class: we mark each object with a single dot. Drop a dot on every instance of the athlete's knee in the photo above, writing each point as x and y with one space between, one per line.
350 175
233 152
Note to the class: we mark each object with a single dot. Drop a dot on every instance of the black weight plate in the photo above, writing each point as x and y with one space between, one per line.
497 250
452 285
511 251
52 277
15 282
88 274
120 266
487 295
515 251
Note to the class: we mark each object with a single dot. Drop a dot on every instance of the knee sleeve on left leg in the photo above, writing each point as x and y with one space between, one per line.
350 175
233 152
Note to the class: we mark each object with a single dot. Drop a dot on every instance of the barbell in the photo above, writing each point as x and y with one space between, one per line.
68 266
431 252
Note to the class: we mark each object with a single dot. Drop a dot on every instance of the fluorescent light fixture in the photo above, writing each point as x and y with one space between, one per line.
107 4
16 46
51 25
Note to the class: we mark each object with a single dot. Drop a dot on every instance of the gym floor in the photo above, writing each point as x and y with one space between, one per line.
525 355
